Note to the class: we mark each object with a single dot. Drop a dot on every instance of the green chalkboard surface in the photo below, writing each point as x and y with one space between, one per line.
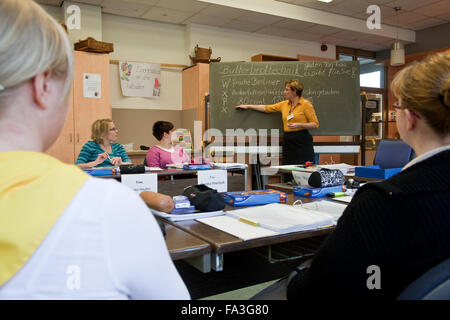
331 86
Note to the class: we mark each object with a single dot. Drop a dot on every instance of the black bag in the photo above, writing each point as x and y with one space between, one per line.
132 168
204 198
326 178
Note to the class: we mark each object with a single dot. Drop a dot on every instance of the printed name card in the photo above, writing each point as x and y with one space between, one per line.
215 179
141 182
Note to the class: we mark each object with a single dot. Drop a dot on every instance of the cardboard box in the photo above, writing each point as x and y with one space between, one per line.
92 45
376 172
255 197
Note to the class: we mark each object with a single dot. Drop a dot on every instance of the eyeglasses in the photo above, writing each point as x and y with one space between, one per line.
397 105
113 129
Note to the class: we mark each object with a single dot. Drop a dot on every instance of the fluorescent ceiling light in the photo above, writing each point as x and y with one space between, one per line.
326 1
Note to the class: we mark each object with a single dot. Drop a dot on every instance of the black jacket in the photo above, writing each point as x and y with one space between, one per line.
401 225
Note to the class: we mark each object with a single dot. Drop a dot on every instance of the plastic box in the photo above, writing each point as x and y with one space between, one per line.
376 172
309 192
255 197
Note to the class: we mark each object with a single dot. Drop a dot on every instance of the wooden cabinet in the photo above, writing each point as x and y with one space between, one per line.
195 86
83 111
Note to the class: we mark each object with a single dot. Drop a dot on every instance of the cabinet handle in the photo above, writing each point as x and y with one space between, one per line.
70 135
78 138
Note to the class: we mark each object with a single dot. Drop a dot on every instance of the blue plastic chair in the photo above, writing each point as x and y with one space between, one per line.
392 154
432 285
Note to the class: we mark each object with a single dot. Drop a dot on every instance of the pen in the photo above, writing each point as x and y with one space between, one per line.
250 222
336 194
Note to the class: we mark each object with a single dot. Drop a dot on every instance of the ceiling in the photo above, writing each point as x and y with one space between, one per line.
414 15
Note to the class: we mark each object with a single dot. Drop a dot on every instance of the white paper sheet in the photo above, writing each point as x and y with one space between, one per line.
236 228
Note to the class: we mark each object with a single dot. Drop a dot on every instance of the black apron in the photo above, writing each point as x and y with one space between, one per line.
298 147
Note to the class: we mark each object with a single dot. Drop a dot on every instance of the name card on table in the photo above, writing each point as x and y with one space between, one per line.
141 182
215 179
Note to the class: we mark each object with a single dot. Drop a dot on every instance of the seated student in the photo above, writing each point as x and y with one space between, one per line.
102 151
63 234
165 152
393 231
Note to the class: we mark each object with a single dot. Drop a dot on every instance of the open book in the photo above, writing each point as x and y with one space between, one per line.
275 218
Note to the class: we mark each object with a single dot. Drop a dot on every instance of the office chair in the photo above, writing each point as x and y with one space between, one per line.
432 285
392 154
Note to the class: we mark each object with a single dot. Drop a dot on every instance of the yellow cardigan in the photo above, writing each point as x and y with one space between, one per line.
35 189
303 112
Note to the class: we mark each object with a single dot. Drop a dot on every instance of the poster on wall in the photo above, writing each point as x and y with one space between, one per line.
139 79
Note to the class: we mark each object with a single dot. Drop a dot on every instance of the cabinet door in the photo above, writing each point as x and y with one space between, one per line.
87 110
63 147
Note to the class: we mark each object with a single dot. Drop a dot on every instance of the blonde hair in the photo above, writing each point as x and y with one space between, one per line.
31 42
295 85
100 129
424 87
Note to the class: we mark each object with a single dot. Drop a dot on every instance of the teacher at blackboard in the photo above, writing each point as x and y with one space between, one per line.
298 117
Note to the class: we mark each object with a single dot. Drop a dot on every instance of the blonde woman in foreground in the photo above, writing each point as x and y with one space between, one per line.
63 234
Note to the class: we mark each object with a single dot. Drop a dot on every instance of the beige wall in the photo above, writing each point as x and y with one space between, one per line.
135 125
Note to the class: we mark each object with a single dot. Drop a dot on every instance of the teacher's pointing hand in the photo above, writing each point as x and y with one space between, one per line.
242 106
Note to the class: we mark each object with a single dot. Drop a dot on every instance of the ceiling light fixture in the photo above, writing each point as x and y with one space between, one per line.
326 1
397 49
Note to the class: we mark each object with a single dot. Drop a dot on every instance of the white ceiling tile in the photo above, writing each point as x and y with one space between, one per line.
184 5
260 18
385 12
91 2
409 5
144 2
243 26
349 7
325 30
306 36
437 8
404 18
317 4
207 19
51 2
444 16
166 15
124 8
273 31
426 23
223 11
379 2
293 24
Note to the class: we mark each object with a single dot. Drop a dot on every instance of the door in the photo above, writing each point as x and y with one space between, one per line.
86 109
63 147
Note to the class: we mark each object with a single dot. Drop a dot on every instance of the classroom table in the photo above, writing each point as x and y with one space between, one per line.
222 242
173 181
182 245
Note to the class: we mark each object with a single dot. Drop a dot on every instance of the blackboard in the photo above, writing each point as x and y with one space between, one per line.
331 86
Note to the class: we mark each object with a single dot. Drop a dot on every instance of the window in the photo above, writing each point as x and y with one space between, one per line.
371 79
371 75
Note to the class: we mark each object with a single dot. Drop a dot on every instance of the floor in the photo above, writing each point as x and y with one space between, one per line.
246 272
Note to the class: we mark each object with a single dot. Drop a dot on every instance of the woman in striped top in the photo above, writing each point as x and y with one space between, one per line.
102 151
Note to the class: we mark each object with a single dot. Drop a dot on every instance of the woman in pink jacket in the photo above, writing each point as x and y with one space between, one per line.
165 152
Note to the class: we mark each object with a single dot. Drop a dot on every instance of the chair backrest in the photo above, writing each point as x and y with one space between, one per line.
432 285
392 154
